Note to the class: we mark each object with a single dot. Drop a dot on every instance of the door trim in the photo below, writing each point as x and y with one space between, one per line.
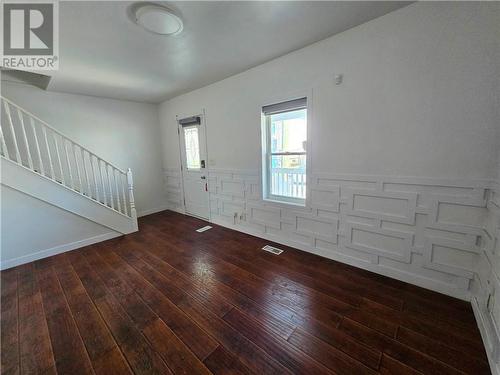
203 123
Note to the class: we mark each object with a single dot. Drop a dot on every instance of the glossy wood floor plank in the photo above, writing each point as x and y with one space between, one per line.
35 346
139 354
340 340
222 362
247 351
174 352
277 318
9 324
185 328
252 286
170 300
306 294
288 355
70 354
97 338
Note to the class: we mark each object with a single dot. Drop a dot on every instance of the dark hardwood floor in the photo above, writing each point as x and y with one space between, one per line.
170 300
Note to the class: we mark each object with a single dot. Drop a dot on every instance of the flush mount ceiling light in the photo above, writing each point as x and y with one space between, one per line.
157 19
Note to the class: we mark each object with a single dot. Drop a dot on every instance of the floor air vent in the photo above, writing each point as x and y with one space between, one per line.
272 249
203 229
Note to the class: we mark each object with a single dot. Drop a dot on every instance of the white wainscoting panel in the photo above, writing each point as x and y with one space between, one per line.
172 183
485 286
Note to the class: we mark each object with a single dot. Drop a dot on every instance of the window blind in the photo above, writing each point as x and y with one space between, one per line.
193 120
287 106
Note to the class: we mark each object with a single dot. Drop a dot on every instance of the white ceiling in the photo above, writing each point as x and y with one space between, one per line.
103 53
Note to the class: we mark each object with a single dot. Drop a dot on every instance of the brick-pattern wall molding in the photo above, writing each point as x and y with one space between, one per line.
485 286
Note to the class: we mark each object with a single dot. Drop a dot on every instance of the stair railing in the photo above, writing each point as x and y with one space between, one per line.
32 143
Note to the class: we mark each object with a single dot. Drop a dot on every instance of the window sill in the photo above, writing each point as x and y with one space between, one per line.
286 203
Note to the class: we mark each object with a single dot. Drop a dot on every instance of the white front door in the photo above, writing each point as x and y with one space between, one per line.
193 160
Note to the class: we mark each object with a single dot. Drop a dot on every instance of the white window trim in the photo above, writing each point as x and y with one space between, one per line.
265 146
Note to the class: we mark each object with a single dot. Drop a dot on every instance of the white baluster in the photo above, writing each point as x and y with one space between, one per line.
93 175
282 180
297 185
133 212
58 155
297 179
37 146
304 186
102 183
106 167
25 138
287 184
4 145
300 186
51 166
122 183
9 117
80 185
86 173
294 185
65 143
117 191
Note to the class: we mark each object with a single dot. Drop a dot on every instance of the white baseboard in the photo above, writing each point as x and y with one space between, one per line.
430 284
57 250
488 337
152 210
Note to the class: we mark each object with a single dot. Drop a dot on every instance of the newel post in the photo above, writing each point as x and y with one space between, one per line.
133 212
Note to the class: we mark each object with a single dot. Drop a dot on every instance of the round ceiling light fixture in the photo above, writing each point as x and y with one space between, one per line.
157 19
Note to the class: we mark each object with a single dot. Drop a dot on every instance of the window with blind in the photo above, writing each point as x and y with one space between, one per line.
285 151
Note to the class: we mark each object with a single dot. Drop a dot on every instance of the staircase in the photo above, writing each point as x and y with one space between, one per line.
38 160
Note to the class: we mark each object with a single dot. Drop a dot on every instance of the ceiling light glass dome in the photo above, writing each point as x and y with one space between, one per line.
158 19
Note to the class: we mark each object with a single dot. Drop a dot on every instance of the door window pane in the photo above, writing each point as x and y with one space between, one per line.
192 148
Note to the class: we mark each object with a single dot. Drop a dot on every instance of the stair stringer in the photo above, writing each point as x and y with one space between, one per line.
32 183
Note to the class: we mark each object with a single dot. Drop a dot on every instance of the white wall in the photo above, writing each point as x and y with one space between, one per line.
121 132
419 87
33 229
419 99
